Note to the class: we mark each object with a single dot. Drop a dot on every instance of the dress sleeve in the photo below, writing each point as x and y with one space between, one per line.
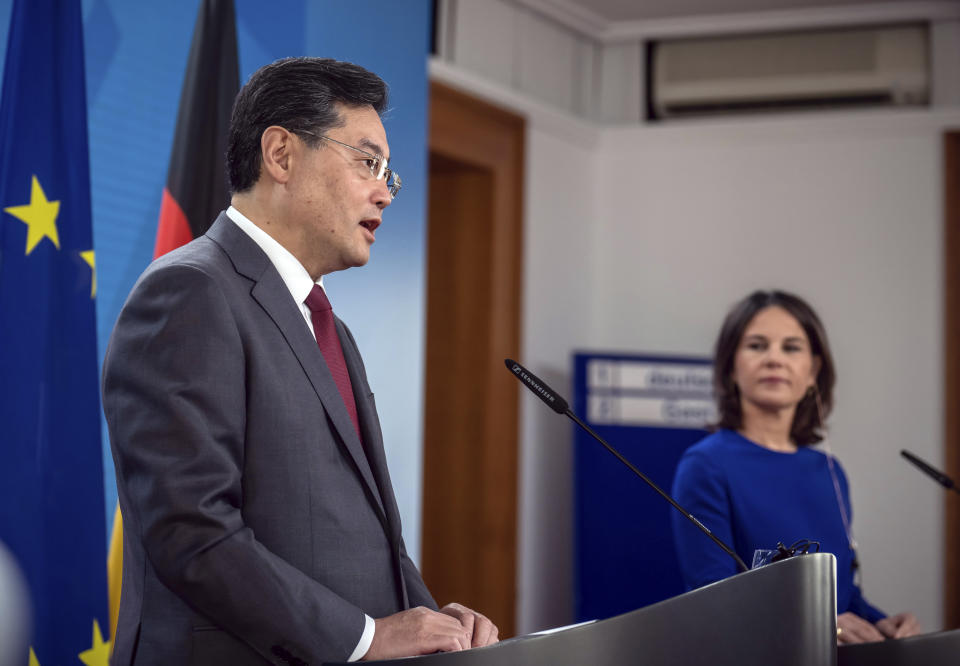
858 604
863 608
700 487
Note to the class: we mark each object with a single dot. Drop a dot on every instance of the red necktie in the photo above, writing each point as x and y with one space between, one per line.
321 314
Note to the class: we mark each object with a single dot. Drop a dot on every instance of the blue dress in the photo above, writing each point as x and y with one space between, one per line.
751 497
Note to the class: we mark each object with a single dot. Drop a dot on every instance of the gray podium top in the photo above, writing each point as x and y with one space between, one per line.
783 614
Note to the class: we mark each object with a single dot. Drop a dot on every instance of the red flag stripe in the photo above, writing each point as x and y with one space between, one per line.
173 230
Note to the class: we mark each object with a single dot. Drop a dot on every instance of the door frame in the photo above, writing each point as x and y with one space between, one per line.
951 378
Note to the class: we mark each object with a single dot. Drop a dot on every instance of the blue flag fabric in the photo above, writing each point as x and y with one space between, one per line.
51 473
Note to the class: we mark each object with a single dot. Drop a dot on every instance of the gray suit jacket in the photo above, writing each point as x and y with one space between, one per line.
257 527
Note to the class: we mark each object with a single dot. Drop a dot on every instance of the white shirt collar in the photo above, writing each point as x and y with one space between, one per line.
292 272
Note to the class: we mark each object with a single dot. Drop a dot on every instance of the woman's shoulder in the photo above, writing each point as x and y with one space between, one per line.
713 454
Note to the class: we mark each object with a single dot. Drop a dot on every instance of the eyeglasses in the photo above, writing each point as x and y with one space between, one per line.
376 163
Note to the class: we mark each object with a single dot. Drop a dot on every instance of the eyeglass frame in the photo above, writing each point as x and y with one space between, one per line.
383 173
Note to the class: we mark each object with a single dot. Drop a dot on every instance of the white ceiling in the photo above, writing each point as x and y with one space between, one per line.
611 11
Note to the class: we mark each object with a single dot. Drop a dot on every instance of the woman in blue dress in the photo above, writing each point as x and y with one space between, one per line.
757 481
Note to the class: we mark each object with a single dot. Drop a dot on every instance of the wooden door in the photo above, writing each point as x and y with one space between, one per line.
474 259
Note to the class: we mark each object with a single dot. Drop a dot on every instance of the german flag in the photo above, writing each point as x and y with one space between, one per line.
196 189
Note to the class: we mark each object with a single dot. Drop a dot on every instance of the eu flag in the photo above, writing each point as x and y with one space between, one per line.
51 475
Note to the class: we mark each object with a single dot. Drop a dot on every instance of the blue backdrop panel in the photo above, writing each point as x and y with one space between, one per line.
624 553
136 55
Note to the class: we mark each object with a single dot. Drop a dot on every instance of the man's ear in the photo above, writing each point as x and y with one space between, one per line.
276 145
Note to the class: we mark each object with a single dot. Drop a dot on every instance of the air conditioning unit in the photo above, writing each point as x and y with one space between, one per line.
880 66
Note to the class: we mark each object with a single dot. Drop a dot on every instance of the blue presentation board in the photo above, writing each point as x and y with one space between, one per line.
650 408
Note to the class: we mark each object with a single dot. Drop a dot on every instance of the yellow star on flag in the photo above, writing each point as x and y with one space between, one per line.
33 658
39 215
88 257
99 653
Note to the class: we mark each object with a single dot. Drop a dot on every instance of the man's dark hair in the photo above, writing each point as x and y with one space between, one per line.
806 425
300 95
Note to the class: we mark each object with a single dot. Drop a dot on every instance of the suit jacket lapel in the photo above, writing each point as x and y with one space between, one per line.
369 426
272 294
373 444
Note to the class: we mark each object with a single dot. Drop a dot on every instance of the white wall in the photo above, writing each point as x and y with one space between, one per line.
558 252
521 50
845 210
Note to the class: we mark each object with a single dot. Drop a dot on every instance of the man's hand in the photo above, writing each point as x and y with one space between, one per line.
481 630
414 632
900 625
854 629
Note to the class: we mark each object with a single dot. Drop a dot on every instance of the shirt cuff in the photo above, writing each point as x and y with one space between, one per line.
366 640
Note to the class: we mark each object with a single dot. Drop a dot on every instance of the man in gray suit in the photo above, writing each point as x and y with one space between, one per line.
260 523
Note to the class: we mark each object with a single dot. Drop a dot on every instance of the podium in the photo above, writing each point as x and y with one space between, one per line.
783 613
937 649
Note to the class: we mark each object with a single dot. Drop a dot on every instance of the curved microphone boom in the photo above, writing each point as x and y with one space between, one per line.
559 405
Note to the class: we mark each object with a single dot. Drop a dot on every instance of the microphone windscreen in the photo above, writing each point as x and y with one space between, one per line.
539 388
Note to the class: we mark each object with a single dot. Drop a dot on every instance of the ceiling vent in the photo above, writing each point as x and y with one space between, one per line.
880 66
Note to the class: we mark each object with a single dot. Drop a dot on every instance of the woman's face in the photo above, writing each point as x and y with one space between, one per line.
774 366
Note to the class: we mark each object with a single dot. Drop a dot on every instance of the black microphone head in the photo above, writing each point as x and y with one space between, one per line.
909 456
927 469
539 388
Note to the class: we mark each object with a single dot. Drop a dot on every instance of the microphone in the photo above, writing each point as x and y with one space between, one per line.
555 402
935 474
